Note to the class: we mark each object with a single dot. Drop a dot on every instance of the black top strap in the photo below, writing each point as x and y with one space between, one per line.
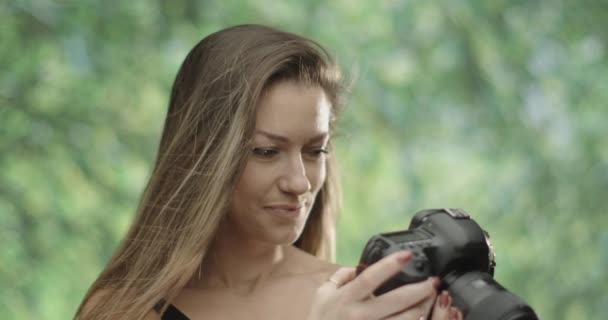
172 313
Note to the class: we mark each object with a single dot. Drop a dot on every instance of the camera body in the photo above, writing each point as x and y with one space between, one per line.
448 244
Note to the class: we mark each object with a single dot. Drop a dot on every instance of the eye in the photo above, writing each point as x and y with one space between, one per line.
265 153
316 153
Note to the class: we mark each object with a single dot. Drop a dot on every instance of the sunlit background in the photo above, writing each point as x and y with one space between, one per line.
496 107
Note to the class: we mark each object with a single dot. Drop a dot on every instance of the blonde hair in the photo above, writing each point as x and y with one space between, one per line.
202 152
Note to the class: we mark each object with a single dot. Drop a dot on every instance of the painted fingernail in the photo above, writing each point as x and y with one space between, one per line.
444 299
455 314
404 256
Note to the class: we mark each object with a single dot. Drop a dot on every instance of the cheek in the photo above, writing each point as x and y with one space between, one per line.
253 184
244 190
317 176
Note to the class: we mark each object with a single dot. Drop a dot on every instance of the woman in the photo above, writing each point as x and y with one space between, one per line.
238 215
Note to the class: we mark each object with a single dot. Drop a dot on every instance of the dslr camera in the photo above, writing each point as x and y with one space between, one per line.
448 244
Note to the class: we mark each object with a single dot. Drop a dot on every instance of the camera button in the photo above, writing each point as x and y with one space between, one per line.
419 265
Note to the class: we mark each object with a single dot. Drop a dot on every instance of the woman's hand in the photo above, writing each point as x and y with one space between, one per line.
347 297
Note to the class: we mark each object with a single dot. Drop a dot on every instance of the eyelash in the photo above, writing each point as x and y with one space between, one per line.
268 153
265 152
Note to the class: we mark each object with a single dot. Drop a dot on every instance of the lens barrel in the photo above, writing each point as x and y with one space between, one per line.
480 297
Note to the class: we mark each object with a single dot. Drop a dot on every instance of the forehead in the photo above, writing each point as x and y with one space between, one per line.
293 108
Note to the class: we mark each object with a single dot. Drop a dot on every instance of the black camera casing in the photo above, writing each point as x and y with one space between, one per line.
442 240
448 244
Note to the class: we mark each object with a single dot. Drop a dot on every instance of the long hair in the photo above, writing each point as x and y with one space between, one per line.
203 150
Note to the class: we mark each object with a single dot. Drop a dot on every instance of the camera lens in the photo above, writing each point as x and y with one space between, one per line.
480 297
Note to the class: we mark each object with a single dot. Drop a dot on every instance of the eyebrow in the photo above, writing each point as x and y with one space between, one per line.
317 138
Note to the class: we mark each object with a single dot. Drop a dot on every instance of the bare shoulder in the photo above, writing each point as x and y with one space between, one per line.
314 268
98 298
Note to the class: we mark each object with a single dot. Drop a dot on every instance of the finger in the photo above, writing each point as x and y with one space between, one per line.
417 296
455 314
441 309
339 278
417 312
426 305
376 274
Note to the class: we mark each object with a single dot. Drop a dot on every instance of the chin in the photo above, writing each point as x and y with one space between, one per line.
286 238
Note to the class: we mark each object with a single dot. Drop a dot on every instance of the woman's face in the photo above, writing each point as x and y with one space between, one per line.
286 165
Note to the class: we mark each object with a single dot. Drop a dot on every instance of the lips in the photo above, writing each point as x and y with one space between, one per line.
286 210
296 206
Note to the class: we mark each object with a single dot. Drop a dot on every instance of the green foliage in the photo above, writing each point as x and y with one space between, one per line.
498 107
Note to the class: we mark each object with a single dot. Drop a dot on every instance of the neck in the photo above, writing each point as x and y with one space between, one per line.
241 265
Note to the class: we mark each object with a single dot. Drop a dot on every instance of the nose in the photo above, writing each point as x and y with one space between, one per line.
294 179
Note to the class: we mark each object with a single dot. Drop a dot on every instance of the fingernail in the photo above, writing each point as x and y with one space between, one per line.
404 256
444 299
455 314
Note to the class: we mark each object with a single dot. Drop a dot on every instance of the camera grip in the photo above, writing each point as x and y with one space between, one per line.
418 269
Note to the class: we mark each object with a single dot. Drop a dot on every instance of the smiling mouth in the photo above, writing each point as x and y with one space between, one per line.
286 211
